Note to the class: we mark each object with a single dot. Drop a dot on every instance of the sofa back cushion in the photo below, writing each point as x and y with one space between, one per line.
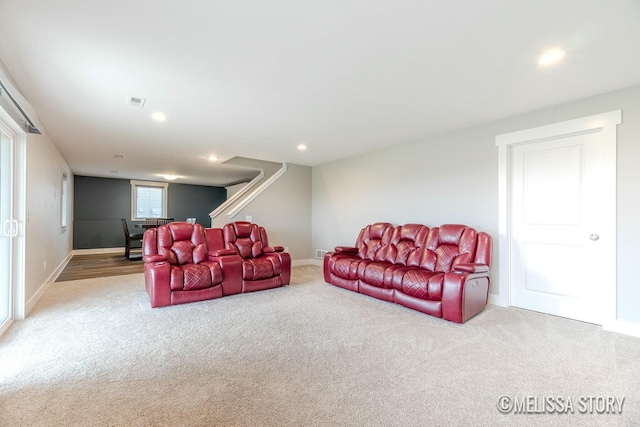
406 245
243 237
447 246
372 240
214 239
182 243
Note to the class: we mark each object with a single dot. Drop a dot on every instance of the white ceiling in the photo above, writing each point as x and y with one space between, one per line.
256 78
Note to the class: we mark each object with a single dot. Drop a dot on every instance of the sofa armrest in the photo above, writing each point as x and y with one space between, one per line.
464 295
220 252
154 258
346 250
471 268
157 281
231 272
272 249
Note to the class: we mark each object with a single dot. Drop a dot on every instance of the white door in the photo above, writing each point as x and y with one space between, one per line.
9 226
557 218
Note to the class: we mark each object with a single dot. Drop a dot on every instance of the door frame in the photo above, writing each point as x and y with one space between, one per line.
606 124
18 302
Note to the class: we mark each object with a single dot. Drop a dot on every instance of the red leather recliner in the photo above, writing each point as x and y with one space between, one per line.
177 269
341 268
263 266
186 263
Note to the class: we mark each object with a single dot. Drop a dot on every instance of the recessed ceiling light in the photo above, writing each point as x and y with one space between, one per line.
170 177
302 147
159 117
551 56
212 158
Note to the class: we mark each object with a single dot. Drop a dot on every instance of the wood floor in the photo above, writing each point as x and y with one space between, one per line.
102 265
105 265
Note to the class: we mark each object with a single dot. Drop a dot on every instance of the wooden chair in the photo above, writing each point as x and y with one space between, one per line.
157 221
129 238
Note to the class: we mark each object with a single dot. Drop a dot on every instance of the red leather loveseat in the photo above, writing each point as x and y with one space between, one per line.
185 262
442 271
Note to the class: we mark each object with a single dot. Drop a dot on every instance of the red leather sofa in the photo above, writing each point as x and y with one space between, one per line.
442 271
185 262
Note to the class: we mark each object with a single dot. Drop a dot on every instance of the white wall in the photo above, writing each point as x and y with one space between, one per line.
453 178
233 189
284 210
45 240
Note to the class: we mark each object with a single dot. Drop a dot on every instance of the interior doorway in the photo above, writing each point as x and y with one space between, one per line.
557 218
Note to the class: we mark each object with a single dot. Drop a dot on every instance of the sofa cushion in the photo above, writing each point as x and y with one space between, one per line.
346 268
184 252
372 273
422 284
372 238
260 268
190 277
406 244
447 246
243 237
196 276
181 243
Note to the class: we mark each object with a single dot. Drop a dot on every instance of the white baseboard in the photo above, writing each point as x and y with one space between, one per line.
496 300
43 288
623 327
309 261
619 326
98 251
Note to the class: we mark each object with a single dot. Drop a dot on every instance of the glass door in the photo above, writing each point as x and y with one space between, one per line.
9 226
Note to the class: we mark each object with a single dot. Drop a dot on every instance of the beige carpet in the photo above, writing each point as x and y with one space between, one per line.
93 353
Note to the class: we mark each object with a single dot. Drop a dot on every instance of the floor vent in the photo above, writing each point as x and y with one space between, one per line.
320 253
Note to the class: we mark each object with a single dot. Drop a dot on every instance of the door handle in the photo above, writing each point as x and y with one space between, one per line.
6 231
14 228
594 237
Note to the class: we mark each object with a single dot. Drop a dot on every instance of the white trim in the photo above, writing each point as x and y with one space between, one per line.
18 212
308 261
584 124
623 327
273 178
217 211
496 300
43 288
607 123
20 304
5 326
165 196
98 251
24 104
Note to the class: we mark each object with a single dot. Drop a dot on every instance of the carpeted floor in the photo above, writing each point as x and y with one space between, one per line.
93 353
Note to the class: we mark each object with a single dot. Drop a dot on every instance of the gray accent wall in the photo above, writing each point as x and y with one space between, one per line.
101 203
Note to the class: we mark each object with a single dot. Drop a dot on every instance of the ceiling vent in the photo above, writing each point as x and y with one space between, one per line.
135 101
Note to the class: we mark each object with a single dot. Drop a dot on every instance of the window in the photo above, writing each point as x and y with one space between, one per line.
64 199
148 200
